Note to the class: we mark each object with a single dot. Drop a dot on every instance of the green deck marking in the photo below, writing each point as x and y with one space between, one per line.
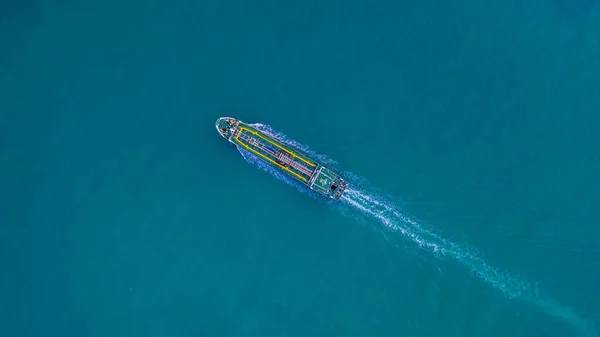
323 180
282 157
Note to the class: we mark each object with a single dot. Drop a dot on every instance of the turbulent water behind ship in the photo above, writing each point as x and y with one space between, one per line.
366 202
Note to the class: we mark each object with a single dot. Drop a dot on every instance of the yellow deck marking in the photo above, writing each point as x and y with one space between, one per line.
294 154
267 158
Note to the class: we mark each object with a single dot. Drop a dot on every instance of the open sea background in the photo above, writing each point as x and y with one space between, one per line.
469 132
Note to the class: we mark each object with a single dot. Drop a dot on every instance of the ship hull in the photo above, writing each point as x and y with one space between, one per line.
282 157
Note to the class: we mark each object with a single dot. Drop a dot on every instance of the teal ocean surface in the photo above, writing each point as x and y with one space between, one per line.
469 133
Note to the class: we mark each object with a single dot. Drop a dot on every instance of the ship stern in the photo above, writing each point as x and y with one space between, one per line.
341 188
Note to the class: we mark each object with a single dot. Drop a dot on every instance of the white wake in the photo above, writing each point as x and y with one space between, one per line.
362 202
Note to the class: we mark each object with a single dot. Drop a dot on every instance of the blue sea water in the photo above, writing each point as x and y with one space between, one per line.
469 133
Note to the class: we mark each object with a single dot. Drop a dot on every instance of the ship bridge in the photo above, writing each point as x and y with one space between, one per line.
316 177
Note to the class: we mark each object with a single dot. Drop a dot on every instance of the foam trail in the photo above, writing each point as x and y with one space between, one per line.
392 217
362 202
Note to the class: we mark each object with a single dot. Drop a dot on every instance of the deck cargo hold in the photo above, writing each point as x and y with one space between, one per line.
297 165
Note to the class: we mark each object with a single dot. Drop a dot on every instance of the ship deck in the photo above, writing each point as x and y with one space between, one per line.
323 180
275 153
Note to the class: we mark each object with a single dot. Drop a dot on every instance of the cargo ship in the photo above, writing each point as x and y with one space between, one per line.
293 163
